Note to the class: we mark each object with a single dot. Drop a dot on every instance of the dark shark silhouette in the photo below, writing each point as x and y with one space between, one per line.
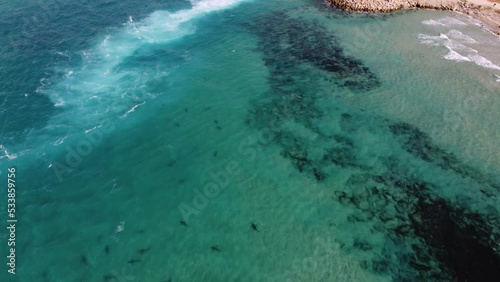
84 260
133 261
143 251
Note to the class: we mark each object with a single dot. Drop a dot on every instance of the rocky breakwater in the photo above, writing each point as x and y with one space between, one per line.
488 11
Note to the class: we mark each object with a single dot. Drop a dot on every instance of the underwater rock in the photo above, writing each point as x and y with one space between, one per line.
420 145
342 140
419 266
341 156
359 217
318 174
340 194
403 230
380 266
401 206
385 216
379 204
460 241
363 205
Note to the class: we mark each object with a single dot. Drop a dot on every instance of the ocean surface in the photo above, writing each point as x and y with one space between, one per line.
248 140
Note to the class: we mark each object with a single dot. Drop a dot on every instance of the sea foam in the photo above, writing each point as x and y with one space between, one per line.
458 43
103 87
101 76
445 21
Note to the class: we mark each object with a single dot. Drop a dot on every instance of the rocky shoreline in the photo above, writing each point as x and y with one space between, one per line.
487 11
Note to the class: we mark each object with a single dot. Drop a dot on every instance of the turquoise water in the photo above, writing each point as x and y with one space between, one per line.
227 140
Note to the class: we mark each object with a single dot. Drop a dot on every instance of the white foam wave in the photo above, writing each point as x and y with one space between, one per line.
105 40
464 40
60 141
474 21
104 86
452 55
7 154
445 21
132 109
431 22
69 74
60 102
482 61
456 43
459 36
93 128
498 78
62 54
120 227
100 75
429 39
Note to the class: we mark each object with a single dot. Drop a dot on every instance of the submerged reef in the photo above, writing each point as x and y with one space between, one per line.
294 51
433 237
